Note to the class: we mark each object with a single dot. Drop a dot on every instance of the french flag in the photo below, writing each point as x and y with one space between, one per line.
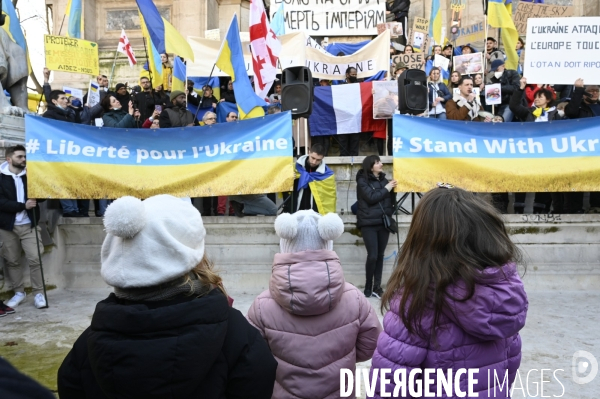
343 109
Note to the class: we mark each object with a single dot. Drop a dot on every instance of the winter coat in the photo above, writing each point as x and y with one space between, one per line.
509 82
577 108
433 94
315 324
228 96
118 118
146 103
14 385
370 192
183 347
65 115
531 90
9 205
459 113
176 117
526 114
482 332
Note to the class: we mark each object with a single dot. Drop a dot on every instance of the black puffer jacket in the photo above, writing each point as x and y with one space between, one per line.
65 115
577 108
524 113
370 192
185 347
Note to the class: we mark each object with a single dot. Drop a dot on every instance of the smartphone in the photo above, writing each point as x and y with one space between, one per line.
276 97
158 108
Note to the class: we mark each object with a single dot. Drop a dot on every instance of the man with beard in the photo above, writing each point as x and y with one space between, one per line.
178 114
314 187
121 93
147 100
19 215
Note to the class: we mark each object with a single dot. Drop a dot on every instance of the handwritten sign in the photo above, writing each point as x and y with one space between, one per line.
532 10
412 61
332 17
421 25
561 50
66 54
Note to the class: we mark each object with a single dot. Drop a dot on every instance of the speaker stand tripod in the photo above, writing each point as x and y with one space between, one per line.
402 199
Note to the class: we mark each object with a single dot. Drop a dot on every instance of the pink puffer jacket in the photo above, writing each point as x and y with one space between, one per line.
315 324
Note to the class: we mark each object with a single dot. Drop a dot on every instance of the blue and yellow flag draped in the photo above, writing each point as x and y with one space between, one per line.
231 61
12 26
163 35
322 186
178 75
499 14
75 19
435 22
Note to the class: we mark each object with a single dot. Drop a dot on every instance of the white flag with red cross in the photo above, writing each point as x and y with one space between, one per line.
125 48
265 48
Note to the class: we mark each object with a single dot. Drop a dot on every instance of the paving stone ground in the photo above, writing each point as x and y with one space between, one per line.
558 325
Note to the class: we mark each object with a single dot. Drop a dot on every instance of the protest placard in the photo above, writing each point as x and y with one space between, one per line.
93 97
412 61
533 10
331 18
395 29
467 64
561 50
493 94
420 25
441 62
385 99
71 92
474 33
66 54
455 12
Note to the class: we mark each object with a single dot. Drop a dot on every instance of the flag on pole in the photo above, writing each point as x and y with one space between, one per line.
278 21
163 35
153 66
435 22
265 48
231 61
179 73
74 19
125 48
499 14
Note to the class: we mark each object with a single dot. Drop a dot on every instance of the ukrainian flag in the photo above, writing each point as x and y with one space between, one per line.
12 26
322 186
74 19
435 22
155 68
500 16
163 35
231 61
179 73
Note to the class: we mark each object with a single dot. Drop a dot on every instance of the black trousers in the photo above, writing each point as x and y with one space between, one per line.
348 144
376 239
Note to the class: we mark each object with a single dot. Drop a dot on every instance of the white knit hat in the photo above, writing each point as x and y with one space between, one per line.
307 230
150 242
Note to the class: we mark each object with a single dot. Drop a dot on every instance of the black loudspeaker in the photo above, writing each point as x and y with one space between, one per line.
297 91
412 92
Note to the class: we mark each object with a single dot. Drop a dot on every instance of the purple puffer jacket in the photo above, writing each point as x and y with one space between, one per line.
482 333
315 324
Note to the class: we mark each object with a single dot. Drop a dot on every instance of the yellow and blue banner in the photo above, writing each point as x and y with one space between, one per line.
435 22
179 80
67 160
12 26
496 157
74 15
231 61
153 68
163 35
499 14
322 186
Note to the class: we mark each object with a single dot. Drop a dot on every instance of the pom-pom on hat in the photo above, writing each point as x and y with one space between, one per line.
307 231
150 242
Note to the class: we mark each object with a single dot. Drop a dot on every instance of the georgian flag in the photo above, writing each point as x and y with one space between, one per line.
125 48
265 48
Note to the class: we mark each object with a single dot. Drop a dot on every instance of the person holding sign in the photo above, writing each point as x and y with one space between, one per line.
438 94
509 82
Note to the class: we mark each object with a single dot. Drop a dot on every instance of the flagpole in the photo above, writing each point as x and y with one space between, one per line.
208 82
485 60
112 71
61 24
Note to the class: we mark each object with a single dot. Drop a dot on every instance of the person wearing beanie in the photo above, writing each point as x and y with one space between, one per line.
313 320
177 115
121 93
168 329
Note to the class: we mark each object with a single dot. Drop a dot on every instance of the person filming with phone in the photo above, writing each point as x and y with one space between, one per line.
275 98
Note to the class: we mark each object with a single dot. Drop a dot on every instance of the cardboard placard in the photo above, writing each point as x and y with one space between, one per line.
441 62
66 54
93 97
419 41
385 99
395 29
455 11
412 61
493 94
468 64
532 10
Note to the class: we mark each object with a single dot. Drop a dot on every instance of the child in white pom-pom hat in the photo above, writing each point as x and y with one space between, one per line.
314 322
168 330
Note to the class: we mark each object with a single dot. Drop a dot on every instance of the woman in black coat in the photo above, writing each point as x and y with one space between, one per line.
373 192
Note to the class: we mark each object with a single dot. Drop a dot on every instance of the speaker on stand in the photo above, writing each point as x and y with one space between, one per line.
297 91
412 92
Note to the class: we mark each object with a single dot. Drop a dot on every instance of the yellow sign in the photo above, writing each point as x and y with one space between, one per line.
66 54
